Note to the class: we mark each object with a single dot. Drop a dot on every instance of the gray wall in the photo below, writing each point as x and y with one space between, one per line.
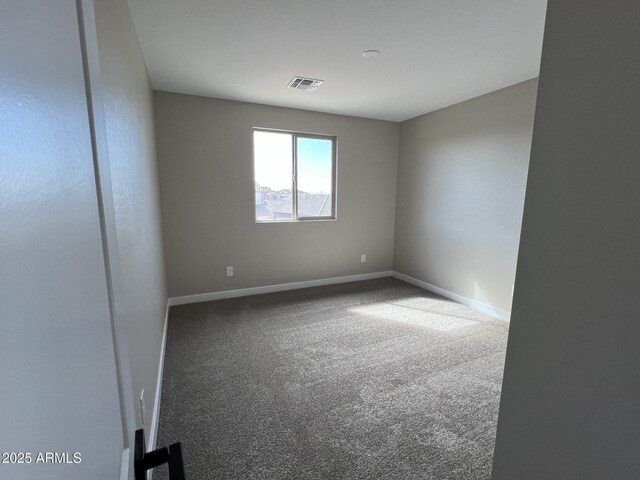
570 404
461 179
59 387
206 176
128 110
76 247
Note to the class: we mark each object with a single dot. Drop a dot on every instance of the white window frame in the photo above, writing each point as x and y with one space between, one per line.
294 183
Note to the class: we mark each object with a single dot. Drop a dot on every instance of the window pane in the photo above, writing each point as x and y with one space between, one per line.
273 167
315 177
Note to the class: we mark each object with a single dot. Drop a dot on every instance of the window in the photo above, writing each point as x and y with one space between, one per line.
295 176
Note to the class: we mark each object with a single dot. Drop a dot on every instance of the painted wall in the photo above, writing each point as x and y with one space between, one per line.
128 110
59 387
570 404
207 190
461 181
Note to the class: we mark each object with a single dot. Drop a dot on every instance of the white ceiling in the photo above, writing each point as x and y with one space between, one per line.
434 52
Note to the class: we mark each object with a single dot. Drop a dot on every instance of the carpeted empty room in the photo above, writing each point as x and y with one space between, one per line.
368 380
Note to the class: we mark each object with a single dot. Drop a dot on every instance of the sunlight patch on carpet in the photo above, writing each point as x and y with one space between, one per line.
414 313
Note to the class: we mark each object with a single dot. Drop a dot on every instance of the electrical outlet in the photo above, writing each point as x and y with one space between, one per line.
143 408
363 258
229 271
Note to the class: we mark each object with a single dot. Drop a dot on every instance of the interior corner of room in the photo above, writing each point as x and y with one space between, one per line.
427 269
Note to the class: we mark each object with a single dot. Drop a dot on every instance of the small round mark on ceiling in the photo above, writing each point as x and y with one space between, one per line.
370 53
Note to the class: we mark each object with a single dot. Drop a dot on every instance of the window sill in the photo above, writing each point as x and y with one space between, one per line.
302 220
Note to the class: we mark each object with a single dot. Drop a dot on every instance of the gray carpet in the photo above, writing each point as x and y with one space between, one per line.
367 380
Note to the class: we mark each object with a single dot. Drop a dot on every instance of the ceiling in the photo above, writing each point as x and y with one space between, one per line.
434 53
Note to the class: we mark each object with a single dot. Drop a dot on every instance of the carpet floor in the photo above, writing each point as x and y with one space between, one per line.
366 380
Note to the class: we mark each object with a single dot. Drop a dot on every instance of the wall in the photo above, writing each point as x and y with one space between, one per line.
207 189
128 110
570 403
461 180
59 382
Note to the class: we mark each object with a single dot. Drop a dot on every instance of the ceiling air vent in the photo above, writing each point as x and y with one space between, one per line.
307 84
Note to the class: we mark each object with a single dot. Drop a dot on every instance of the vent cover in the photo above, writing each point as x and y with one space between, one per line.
306 84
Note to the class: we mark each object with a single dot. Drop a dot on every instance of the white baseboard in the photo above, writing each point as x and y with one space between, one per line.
124 464
476 305
155 418
243 292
